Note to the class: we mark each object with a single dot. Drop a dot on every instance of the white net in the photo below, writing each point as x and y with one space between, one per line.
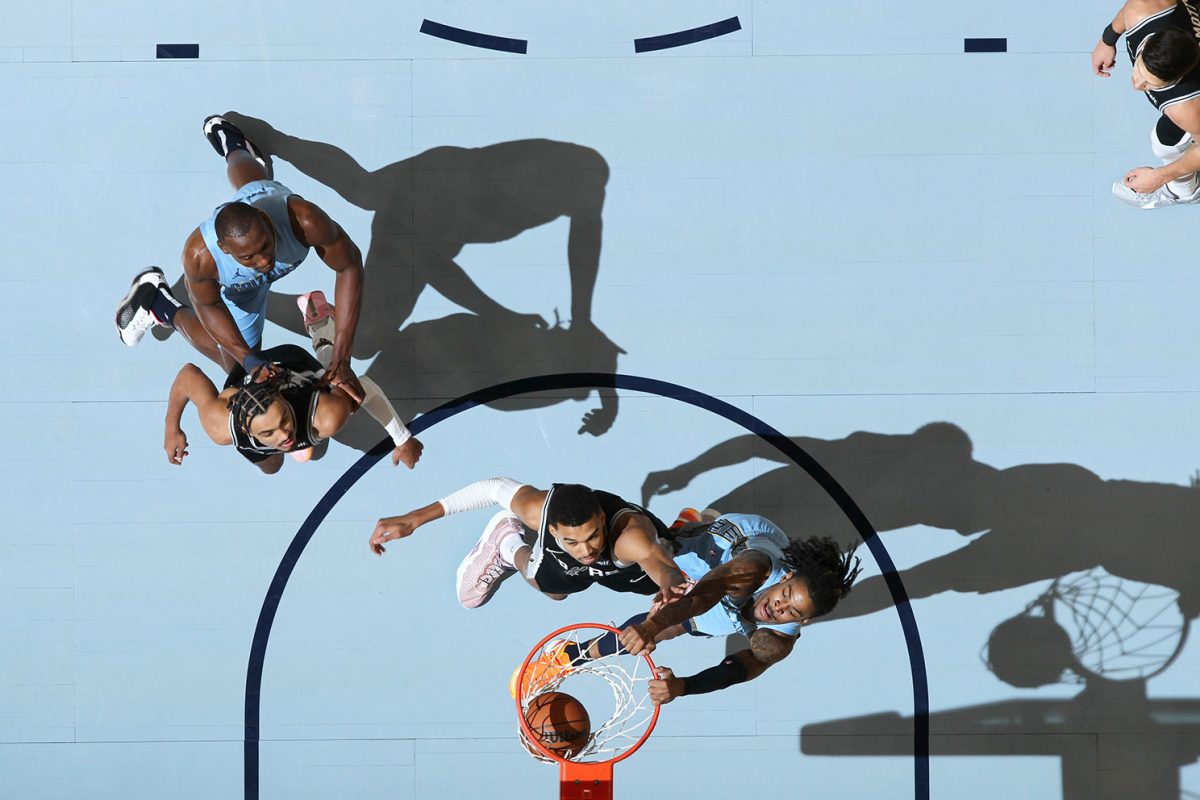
614 685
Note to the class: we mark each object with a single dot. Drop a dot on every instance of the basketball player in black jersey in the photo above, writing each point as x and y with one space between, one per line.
1161 38
562 540
289 411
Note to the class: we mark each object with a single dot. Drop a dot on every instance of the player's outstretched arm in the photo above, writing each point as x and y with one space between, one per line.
407 448
200 277
336 407
736 578
521 499
766 648
639 543
314 228
192 385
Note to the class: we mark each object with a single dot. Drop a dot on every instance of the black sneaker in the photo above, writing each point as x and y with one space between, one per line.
225 137
133 316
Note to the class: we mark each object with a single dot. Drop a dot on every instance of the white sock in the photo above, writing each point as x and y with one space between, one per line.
509 546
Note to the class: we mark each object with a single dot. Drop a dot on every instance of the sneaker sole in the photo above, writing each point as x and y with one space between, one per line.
152 275
263 160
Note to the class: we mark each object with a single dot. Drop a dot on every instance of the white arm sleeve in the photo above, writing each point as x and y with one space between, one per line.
376 403
481 494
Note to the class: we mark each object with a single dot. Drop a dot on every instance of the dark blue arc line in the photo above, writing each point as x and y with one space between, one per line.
589 380
691 36
484 40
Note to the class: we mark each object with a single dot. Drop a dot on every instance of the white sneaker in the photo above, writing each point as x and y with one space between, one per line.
1160 197
320 323
482 571
133 317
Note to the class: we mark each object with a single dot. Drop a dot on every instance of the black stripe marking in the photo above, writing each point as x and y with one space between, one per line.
484 40
177 51
692 36
985 45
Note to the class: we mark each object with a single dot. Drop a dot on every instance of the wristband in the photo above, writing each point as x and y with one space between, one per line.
1110 37
723 675
399 433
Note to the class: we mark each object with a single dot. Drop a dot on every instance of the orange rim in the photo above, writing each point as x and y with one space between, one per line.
566 762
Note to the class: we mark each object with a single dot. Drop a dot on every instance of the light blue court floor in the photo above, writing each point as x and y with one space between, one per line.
903 256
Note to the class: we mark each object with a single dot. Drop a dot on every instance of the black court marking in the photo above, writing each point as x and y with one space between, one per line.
589 380
177 51
679 39
985 45
484 40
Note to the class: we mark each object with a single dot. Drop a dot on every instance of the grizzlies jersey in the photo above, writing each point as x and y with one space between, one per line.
556 572
241 286
725 538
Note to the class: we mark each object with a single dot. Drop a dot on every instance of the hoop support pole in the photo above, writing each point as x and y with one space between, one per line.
585 781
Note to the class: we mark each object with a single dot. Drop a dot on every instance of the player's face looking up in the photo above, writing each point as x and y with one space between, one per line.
582 542
786 601
256 249
275 427
1143 79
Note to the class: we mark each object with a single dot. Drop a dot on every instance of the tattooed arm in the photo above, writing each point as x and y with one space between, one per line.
737 579
766 648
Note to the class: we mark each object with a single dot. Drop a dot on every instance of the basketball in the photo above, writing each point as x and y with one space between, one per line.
559 723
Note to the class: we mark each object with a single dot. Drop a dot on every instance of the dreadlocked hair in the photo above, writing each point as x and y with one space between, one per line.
822 565
254 398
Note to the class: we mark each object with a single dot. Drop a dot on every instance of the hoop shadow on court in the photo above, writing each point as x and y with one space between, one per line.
1121 555
1111 739
426 209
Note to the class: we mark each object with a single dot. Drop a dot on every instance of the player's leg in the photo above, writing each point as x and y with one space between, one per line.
1169 142
150 303
493 558
244 162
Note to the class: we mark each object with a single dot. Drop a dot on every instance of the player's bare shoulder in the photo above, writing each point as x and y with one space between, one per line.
1134 11
528 503
198 263
310 224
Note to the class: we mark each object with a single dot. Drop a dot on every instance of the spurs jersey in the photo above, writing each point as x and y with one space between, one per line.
556 572
1187 87
704 547
300 393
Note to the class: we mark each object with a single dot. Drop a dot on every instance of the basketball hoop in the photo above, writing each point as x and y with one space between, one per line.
618 680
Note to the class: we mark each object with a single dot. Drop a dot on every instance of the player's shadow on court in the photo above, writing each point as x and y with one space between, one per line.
1029 523
426 209
1110 738
483 353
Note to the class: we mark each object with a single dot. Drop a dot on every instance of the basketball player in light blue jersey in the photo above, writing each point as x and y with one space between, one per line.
230 261
750 580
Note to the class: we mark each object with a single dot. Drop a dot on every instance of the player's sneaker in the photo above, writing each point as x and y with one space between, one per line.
482 571
320 324
225 137
550 665
709 514
133 317
686 516
1163 196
